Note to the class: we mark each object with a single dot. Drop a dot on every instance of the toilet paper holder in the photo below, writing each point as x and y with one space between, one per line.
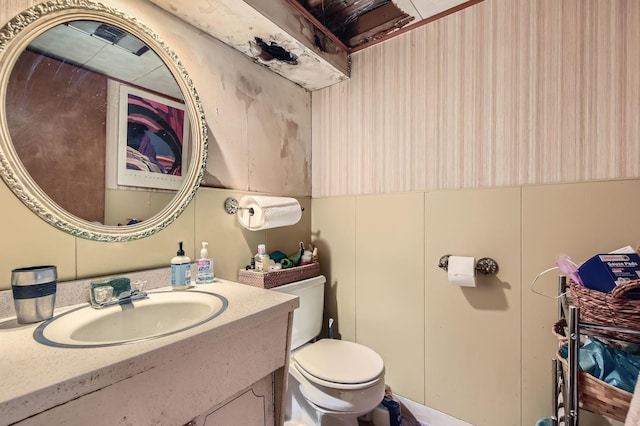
485 265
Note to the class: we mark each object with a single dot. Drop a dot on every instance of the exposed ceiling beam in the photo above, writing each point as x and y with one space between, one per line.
416 25
296 4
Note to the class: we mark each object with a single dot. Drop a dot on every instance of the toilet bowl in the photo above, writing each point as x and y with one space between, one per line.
331 382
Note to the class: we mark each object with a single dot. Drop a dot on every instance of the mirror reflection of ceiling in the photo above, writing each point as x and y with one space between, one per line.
69 75
77 43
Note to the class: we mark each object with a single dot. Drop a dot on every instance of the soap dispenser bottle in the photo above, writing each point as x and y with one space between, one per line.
205 266
262 259
180 270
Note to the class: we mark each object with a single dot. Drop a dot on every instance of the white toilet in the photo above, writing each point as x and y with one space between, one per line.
331 382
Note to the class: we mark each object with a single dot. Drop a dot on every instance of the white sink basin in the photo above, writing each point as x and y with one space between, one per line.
161 314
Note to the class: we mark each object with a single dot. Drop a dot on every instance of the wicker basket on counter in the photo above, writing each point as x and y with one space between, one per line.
612 309
277 278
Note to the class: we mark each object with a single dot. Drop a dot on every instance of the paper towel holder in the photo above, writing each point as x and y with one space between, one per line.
485 265
231 206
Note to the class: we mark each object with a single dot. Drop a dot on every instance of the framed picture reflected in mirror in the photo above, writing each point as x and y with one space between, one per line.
152 140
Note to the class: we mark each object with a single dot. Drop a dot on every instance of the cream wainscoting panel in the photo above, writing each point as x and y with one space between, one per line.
333 231
580 220
101 258
230 245
472 347
29 241
506 92
390 286
124 204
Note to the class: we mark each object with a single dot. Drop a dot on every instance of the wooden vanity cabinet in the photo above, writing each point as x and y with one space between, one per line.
229 375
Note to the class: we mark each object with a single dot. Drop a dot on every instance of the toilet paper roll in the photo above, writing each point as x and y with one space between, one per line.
268 212
461 271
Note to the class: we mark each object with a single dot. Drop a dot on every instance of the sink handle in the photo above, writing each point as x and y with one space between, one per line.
125 297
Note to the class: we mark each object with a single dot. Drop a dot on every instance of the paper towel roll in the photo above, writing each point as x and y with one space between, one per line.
268 212
462 271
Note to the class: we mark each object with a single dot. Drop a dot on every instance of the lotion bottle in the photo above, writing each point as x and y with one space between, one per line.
205 266
262 259
180 270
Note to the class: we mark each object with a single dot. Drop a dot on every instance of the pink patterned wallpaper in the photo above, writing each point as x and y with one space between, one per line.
506 92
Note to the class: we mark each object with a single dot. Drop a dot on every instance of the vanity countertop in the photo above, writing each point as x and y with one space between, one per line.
35 377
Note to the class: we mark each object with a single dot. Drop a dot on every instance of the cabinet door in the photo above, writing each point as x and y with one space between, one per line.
251 407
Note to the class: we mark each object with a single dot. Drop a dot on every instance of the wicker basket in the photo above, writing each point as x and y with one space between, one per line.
597 396
609 309
277 278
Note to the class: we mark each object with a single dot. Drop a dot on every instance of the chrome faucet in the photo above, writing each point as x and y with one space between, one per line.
126 297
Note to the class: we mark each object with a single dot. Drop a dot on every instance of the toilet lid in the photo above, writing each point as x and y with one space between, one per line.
339 361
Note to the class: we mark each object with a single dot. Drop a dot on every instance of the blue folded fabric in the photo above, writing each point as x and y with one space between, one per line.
612 365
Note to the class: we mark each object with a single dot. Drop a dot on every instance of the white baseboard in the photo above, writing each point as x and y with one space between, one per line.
428 416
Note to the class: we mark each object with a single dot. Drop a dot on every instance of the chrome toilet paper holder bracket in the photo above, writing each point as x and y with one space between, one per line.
485 265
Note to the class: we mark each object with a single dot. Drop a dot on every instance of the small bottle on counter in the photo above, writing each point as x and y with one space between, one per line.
262 259
205 266
180 270
306 257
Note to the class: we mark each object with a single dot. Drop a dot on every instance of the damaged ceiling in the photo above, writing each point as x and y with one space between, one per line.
360 23
308 42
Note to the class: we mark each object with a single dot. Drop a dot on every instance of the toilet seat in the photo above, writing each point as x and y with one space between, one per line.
339 364
334 385
336 377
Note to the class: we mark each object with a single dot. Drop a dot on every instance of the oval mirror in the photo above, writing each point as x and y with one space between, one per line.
102 133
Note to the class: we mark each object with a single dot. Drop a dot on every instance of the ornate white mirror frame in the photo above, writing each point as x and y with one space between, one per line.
15 36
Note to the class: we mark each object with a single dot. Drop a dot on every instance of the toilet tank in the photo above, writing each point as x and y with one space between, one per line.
307 318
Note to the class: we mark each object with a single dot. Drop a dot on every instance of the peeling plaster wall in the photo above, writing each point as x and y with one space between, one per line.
261 123
250 110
